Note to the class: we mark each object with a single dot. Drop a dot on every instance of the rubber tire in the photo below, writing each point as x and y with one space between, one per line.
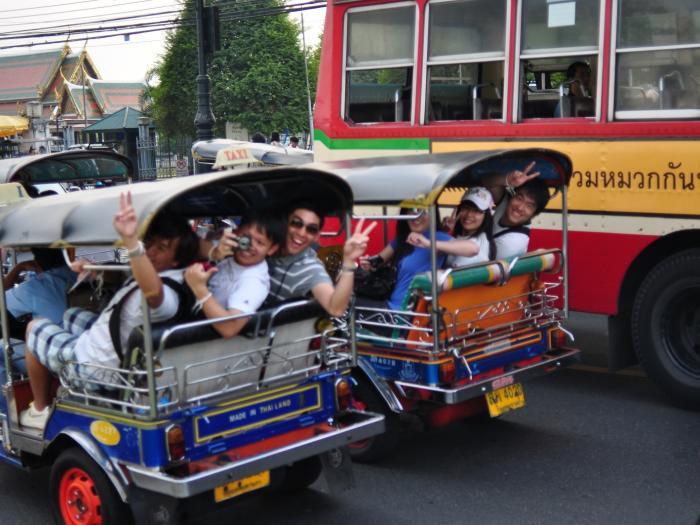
380 446
666 327
112 509
301 475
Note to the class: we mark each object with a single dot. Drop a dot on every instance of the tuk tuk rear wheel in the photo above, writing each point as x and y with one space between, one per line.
377 447
81 493
666 327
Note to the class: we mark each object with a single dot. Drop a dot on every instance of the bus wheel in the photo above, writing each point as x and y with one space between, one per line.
666 327
301 474
81 493
377 447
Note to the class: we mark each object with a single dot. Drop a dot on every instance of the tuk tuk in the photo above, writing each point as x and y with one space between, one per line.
216 153
465 338
67 169
188 420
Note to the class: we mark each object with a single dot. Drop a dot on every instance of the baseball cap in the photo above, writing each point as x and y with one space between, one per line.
479 196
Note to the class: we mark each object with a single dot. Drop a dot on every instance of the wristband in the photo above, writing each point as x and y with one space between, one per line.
137 252
199 304
211 253
347 268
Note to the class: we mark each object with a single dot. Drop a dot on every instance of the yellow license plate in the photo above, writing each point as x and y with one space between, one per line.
509 397
236 488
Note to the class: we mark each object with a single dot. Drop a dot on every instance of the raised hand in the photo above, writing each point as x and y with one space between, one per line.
125 221
228 243
356 245
517 178
449 223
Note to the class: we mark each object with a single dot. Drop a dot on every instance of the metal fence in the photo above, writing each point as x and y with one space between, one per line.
164 157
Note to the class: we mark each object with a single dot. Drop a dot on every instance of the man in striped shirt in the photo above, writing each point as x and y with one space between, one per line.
297 271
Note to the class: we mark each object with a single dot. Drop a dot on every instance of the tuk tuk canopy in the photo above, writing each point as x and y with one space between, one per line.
418 180
85 217
67 166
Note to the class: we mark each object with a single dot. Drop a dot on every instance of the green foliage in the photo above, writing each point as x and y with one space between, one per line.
257 78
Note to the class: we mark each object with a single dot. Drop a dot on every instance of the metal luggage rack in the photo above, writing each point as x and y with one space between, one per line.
537 308
269 363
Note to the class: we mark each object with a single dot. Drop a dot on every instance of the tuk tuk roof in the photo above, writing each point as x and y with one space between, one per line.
205 151
418 180
67 166
85 217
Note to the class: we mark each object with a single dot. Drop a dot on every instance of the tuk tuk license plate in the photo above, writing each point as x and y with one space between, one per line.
509 397
241 486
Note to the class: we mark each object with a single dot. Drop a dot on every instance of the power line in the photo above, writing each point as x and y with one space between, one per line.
63 4
161 26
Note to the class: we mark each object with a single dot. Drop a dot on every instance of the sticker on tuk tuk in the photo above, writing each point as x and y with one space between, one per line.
105 432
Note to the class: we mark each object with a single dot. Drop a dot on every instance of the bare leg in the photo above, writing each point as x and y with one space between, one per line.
39 377
39 380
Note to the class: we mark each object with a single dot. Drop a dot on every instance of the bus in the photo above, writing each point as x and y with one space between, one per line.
614 84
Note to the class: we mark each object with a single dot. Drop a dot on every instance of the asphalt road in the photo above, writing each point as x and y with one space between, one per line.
590 447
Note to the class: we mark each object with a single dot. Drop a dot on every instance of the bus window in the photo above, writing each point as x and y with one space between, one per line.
379 64
558 58
466 53
658 60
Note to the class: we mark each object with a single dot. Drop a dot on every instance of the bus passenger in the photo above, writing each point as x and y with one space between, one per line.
519 196
238 284
85 337
298 271
409 252
473 221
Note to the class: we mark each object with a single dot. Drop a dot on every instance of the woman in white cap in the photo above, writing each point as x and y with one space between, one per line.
473 221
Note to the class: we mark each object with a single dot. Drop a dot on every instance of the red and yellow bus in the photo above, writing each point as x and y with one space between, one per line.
615 84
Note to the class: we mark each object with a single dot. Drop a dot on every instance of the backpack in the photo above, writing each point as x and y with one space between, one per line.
185 303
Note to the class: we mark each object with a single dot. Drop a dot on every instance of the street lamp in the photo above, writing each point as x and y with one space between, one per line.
204 120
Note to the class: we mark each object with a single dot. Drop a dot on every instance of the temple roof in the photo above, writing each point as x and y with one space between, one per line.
27 76
73 103
112 96
125 118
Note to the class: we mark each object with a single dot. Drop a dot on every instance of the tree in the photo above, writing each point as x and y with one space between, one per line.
257 76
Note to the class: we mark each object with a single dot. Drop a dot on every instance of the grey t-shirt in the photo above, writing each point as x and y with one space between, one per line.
295 275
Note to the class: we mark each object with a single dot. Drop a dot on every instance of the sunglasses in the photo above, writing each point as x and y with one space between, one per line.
419 212
311 228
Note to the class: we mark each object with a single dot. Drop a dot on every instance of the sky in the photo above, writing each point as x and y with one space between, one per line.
114 57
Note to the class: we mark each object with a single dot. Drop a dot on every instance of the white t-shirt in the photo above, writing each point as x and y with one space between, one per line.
95 345
482 256
510 240
242 288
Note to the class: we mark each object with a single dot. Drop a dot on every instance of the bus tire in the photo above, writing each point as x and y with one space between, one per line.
302 474
377 447
81 493
666 327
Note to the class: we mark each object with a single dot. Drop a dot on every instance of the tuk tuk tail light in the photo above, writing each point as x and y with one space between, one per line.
343 394
175 439
448 371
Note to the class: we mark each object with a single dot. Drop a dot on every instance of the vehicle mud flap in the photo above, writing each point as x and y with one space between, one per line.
151 508
337 469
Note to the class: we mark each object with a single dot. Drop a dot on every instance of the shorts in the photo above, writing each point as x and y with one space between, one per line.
53 345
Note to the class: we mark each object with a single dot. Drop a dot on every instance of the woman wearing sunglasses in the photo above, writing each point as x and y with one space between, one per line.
298 271
409 252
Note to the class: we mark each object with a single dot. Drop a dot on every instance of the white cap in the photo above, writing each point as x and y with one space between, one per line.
480 196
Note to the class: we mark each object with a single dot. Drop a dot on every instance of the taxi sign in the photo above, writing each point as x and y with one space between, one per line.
234 156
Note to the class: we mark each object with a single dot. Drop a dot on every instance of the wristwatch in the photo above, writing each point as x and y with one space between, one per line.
138 251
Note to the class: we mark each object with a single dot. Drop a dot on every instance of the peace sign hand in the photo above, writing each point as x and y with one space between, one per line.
448 223
517 178
356 245
125 221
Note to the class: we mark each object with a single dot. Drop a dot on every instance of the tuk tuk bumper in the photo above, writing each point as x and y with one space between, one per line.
354 426
551 361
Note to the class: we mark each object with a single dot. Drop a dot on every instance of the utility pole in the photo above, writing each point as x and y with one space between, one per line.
308 87
204 120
